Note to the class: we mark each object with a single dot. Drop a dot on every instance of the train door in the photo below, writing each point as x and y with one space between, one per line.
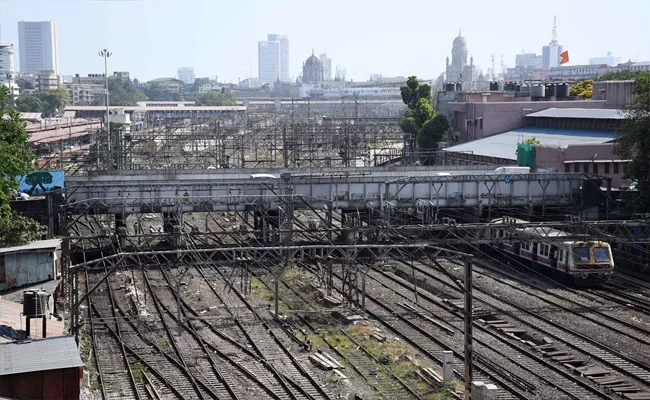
516 246
533 256
554 256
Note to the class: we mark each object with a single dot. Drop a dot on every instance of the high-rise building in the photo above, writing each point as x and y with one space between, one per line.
186 74
528 60
8 68
551 53
273 59
269 62
38 46
327 67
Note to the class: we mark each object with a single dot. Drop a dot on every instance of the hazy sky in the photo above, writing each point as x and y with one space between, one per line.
152 38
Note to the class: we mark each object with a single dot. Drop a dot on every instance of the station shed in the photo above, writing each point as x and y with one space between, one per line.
41 369
34 262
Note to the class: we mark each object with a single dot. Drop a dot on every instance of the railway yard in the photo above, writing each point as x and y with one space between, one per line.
533 338
534 335
243 284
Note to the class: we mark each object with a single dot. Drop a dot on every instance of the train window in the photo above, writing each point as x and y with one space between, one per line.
580 254
561 257
616 168
607 168
601 254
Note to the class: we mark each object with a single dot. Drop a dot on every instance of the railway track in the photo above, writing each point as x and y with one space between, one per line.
488 341
489 345
170 376
361 361
588 348
510 387
257 332
184 365
557 299
618 360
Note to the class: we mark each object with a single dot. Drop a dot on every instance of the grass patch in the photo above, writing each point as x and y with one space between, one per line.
138 371
266 295
393 353
444 395
95 384
316 340
84 345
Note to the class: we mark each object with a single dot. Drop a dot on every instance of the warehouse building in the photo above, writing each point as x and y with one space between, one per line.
34 262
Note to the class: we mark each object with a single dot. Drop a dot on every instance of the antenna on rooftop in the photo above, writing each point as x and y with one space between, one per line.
554 34
494 71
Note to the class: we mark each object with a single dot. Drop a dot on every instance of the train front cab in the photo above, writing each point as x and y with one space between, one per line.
591 260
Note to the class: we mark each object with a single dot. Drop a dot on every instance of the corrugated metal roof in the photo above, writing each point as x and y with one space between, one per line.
504 145
69 114
39 355
36 245
30 115
590 113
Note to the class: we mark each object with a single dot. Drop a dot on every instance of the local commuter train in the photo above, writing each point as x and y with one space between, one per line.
583 260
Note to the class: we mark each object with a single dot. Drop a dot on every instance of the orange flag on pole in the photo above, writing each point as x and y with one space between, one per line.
565 57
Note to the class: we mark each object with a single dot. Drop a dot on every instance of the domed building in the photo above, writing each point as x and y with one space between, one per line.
312 70
458 70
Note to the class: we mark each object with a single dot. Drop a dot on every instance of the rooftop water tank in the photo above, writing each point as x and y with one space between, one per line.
550 90
562 90
537 91
494 86
35 303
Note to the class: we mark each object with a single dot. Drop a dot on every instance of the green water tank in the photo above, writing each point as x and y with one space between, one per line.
525 155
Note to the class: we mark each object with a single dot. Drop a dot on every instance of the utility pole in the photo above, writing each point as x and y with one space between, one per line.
468 328
105 53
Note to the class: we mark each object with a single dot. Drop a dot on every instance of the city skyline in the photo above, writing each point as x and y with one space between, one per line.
363 40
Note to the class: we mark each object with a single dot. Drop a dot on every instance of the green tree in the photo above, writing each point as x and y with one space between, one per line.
23 84
625 75
156 92
408 124
212 98
423 112
583 89
431 132
29 103
634 140
123 93
413 92
420 113
54 100
533 141
15 159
